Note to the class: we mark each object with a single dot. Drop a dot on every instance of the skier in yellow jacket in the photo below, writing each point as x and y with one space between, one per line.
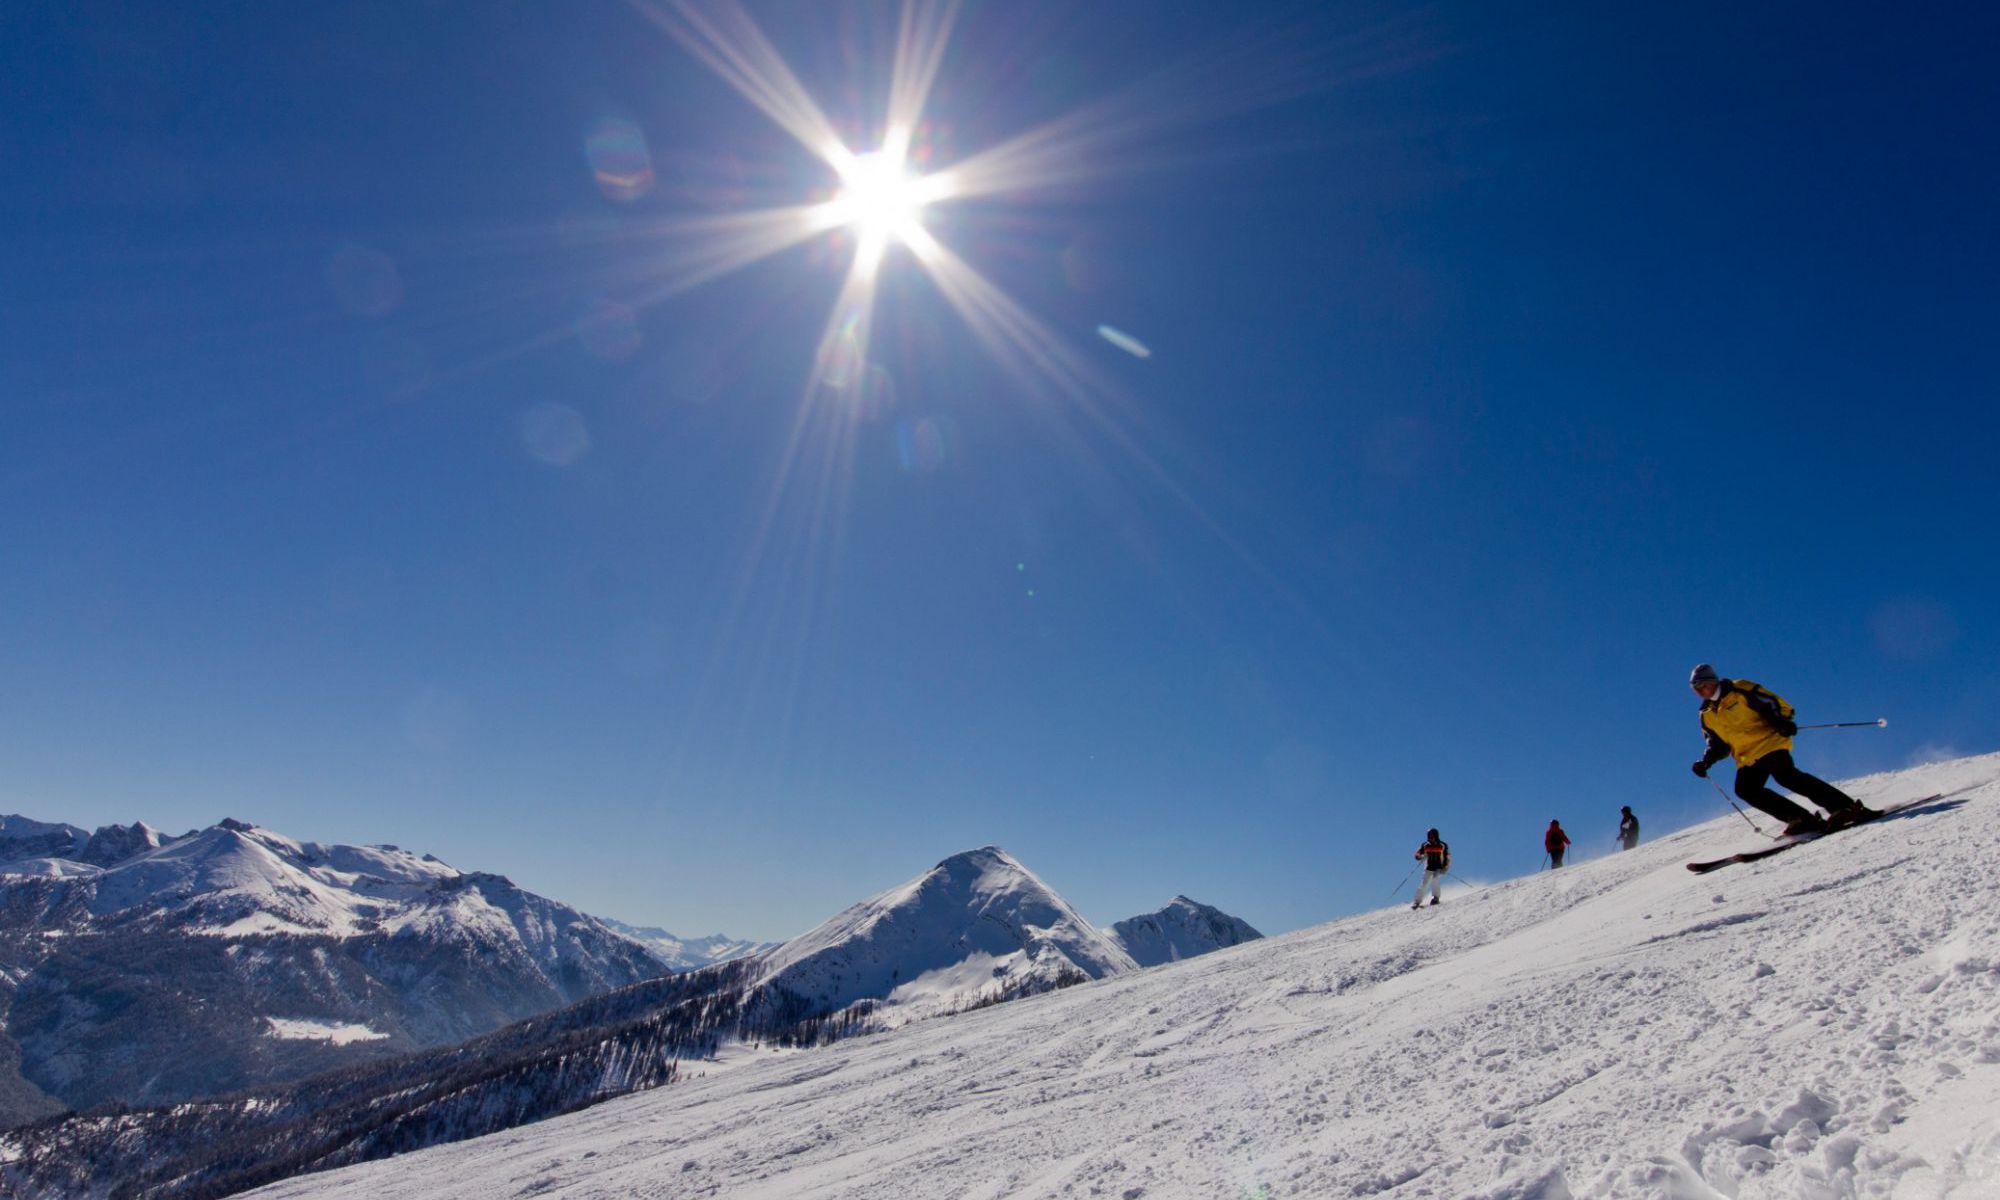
1754 725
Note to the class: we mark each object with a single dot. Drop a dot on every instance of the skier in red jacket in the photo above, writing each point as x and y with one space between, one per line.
1555 841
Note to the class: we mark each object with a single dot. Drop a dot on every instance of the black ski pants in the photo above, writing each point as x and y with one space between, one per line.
1751 789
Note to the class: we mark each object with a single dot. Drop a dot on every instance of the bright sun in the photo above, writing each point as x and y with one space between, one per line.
882 201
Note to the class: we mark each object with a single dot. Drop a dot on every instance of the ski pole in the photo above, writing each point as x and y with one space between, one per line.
1406 878
1877 723
1736 806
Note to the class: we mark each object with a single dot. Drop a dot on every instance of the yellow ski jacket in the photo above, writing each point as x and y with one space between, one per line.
1739 722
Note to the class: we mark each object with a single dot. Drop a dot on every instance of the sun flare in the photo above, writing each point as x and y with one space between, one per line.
881 201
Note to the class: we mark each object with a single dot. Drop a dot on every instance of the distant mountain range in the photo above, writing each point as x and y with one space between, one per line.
977 929
685 954
147 969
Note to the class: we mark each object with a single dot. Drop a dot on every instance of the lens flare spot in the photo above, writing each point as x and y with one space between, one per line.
843 359
619 160
609 330
921 446
1125 341
555 434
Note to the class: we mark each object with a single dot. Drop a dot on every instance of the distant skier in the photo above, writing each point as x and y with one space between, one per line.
1555 841
1754 725
1437 860
1628 828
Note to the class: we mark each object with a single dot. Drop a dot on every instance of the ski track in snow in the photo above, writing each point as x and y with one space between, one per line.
1822 1026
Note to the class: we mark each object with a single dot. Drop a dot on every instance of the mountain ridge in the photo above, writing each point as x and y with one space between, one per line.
280 958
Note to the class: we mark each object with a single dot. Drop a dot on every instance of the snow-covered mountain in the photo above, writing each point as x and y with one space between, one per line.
1183 929
23 837
686 954
1824 1024
977 927
147 969
113 844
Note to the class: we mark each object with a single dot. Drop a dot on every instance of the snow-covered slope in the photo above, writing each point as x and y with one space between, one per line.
978 926
1183 929
1825 1024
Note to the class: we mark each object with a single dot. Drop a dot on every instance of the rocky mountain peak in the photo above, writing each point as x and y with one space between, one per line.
1184 928
113 844
24 837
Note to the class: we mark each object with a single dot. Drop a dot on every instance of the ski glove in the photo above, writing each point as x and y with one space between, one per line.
1785 725
1701 767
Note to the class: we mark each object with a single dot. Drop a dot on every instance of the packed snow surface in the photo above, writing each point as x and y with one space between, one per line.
1821 1025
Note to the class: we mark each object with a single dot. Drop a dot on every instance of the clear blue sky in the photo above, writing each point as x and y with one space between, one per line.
359 480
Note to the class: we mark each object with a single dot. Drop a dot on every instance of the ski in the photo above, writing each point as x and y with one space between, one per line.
1703 868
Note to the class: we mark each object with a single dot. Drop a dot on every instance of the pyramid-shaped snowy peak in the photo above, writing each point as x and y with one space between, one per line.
978 925
1183 929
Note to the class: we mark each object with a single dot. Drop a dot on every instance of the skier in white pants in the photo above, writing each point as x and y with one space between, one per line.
1437 860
